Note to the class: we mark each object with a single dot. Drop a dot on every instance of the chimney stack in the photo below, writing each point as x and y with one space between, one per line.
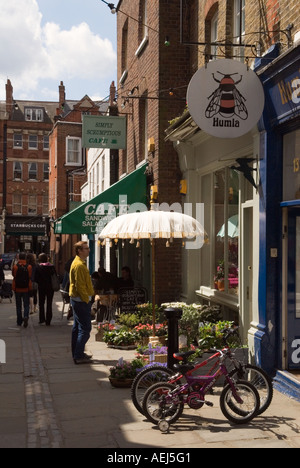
9 98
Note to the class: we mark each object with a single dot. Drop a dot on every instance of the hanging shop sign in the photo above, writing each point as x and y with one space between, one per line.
225 98
104 132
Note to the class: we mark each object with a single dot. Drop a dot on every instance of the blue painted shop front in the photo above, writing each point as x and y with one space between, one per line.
277 339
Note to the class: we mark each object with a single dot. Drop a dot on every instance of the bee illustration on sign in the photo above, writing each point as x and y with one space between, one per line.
226 100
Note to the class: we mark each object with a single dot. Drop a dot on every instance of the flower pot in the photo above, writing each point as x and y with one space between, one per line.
221 285
160 358
99 335
124 347
120 383
162 340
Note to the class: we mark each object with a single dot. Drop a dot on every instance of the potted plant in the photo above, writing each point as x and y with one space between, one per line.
123 374
157 354
121 339
103 328
144 332
220 276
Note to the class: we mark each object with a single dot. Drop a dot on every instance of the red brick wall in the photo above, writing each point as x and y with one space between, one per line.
156 70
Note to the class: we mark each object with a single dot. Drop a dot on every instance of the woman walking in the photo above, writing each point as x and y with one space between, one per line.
30 260
44 271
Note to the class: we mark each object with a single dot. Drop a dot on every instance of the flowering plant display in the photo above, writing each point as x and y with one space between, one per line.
126 369
144 330
121 337
148 350
106 327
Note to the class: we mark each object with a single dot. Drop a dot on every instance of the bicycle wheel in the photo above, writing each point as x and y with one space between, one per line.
261 381
145 380
244 412
159 404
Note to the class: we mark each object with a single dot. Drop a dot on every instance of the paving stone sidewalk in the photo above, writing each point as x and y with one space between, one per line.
48 402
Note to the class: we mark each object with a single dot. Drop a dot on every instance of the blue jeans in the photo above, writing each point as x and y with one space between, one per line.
82 327
19 297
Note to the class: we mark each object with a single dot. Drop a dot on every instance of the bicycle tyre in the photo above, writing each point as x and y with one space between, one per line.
155 396
240 413
144 380
261 381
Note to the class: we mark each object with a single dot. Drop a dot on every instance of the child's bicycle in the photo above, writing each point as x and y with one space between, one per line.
163 403
241 371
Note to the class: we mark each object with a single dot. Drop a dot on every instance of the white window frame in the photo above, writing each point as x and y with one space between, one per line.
46 143
214 35
46 171
31 169
78 151
16 203
237 34
33 142
15 170
18 143
32 204
34 114
45 206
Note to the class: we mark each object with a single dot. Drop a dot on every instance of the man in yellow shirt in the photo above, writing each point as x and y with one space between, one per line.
81 292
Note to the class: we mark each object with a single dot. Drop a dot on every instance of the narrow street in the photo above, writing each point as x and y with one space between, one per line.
47 401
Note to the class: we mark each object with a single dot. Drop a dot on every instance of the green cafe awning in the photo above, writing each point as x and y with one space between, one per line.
92 216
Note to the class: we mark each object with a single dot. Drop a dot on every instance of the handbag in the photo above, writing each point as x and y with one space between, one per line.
55 282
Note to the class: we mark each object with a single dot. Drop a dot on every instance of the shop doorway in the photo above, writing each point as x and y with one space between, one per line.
292 295
246 273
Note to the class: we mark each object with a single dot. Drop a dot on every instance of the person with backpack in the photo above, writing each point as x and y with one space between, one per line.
43 276
22 286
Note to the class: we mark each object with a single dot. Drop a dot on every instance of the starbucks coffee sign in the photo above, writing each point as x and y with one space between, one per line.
225 98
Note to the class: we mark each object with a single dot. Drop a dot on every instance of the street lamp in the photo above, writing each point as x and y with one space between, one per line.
112 7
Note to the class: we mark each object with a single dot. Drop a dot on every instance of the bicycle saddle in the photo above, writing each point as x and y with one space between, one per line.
183 356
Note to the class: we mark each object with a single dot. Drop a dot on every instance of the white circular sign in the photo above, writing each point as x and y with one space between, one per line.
225 99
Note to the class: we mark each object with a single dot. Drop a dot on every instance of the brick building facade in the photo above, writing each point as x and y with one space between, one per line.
24 156
68 169
152 80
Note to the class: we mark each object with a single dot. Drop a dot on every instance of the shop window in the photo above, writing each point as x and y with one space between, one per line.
74 155
32 205
32 171
219 263
18 171
17 204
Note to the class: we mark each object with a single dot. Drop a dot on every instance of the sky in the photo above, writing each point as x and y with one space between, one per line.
44 42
